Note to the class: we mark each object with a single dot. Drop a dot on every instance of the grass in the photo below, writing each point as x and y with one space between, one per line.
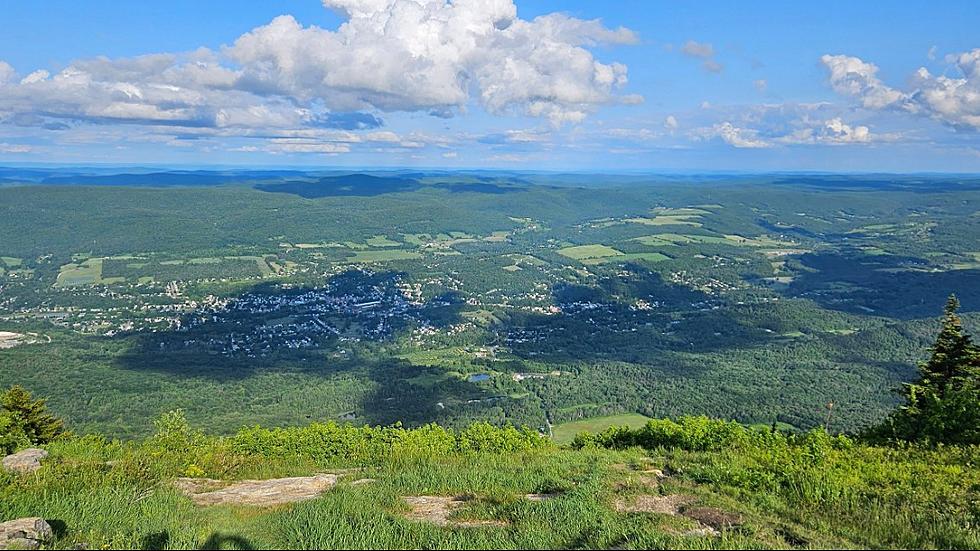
670 239
384 255
649 257
382 241
88 272
565 432
582 252
816 492
11 262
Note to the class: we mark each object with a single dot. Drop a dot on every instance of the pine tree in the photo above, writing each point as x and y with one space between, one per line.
943 405
953 353
31 416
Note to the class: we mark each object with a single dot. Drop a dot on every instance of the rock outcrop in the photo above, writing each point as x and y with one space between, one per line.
263 493
24 533
24 461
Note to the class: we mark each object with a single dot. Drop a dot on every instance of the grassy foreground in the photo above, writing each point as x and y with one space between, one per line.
804 491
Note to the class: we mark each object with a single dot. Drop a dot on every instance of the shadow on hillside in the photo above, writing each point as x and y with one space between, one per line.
882 285
352 185
312 331
634 316
215 345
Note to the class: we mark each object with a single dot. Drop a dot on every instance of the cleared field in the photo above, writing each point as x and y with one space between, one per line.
582 252
669 239
382 241
88 272
649 257
144 269
11 262
565 432
662 216
384 255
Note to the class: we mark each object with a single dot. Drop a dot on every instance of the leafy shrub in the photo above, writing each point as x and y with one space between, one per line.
687 433
333 441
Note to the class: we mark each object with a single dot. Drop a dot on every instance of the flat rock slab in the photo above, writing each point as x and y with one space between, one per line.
262 493
437 509
24 461
24 533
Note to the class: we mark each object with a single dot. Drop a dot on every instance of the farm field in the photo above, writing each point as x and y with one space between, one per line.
566 432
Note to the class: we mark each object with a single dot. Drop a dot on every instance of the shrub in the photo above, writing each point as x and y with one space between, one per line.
334 442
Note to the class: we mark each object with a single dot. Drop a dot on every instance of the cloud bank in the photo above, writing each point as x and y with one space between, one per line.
428 56
954 101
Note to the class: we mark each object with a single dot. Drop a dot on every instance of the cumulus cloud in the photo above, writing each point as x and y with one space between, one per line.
735 136
670 123
832 131
954 101
432 56
853 77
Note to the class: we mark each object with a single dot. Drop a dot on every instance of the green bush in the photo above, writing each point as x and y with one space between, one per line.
347 443
687 433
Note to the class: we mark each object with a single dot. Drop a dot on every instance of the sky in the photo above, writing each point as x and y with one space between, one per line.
854 86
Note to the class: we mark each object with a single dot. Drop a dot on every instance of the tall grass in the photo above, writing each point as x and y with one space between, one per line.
809 490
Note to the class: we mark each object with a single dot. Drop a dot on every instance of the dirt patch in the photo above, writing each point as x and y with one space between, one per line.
437 510
263 493
664 505
715 518
10 340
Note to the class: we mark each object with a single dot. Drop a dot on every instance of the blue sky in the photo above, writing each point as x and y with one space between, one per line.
834 86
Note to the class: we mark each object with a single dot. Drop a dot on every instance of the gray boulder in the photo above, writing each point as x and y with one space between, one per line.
24 461
25 533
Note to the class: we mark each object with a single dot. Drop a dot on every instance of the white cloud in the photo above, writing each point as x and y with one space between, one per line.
853 77
632 134
7 73
403 55
670 123
15 148
36 76
761 85
281 145
952 101
833 131
432 56
735 136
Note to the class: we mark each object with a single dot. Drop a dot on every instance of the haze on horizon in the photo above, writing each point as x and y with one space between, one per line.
530 85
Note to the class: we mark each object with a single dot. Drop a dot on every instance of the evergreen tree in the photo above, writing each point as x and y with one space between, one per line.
943 405
31 416
952 355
